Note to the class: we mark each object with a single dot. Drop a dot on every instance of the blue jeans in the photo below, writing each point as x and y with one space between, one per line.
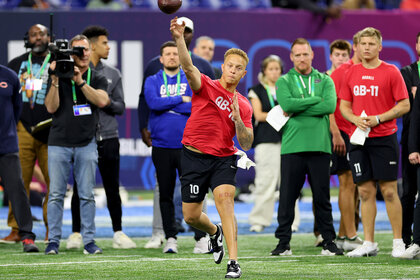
84 161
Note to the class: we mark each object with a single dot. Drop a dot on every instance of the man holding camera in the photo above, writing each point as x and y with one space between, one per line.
31 69
73 103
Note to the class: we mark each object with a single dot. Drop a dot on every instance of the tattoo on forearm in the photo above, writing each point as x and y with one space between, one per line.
244 137
397 113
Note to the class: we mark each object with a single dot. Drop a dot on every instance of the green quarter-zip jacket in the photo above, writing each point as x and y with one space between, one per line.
308 99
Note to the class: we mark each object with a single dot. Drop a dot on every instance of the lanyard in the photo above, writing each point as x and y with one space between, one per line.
270 97
418 67
73 88
311 86
178 82
44 64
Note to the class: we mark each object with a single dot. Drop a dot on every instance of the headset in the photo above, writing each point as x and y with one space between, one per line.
26 42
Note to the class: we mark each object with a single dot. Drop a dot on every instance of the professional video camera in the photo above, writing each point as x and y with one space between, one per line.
62 55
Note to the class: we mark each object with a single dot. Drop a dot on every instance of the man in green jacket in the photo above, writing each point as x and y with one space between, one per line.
308 97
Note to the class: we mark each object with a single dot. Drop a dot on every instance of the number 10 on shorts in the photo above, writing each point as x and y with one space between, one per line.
194 189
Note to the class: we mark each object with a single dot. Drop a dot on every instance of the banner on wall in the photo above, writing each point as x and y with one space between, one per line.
136 37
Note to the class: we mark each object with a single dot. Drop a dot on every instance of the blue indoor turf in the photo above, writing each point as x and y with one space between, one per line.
137 220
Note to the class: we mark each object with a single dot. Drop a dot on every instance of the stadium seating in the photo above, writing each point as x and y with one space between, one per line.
187 4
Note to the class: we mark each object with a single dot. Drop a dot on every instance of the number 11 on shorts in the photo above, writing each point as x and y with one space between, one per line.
357 168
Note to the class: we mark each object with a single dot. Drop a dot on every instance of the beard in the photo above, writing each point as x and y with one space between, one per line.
172 68
40 49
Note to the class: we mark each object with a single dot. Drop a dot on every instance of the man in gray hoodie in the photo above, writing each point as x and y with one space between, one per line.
107 140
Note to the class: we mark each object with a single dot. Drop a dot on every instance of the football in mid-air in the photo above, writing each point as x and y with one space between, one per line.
169 6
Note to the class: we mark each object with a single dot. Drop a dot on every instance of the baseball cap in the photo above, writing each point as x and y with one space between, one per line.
188 23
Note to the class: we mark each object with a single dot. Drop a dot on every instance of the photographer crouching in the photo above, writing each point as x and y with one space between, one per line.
75 93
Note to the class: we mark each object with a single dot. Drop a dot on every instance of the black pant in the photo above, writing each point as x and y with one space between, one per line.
109 167
167 162
409 191
294 168
11 178
416 227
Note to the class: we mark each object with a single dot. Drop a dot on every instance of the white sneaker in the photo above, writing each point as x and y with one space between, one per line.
318 241
155 242
256 228
351 244
202 246
74 241
367 249
171 246
339 241
122 241
412 252
398 248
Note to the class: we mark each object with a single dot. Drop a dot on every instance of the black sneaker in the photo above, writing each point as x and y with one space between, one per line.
282 250
233 270
216 244
29 246
330 249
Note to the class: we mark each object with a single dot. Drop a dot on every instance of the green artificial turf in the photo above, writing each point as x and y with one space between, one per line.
256 263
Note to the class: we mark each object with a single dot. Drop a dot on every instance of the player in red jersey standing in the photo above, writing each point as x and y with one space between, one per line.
208 158
378 89
340 128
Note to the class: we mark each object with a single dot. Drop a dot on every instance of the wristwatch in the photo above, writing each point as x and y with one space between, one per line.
82 84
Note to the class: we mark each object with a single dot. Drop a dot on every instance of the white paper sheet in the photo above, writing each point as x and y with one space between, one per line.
276 117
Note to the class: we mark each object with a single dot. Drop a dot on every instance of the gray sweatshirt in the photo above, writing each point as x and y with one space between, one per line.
107 127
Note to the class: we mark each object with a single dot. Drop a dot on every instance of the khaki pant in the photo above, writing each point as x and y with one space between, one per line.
31 150
267 181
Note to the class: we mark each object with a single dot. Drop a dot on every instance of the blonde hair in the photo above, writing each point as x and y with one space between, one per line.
356 38
371 32
264 65
239 52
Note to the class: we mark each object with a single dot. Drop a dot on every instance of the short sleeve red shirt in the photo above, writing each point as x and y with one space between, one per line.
375 91
338 77
210 127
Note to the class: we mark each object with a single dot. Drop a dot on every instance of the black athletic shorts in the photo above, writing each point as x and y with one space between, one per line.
376 160
340 163
202 171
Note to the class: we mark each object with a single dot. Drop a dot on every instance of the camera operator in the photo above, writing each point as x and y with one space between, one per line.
73 103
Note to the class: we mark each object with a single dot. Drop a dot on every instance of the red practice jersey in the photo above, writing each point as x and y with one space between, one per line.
375 91
210 127
338 77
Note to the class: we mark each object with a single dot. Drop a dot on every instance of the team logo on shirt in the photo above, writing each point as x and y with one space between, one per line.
3 85
173 90
366 77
